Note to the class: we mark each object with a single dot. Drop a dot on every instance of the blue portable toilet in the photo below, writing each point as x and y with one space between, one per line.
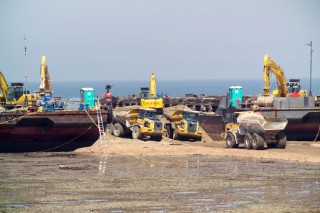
235 95
87 96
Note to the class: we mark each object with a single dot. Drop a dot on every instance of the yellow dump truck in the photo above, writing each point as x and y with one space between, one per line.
182 123
138 121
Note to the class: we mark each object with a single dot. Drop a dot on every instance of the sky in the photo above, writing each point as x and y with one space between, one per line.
97 40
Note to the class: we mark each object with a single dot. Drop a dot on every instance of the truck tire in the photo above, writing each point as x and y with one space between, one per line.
118 130
156 138
272 145
175 135
109 129
282 140
169 133
197 138
248 141
136 132
257 142
231 140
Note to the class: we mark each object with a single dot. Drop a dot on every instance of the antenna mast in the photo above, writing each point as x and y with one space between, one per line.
25 64
310 44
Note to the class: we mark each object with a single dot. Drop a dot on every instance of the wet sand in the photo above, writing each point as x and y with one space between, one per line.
144 176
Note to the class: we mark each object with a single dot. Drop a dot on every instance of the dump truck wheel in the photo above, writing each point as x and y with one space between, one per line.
248 141
109 129
230 140
156 138
272 145
197 138
136 132
169 133
118 130
257 142
282 140
175 136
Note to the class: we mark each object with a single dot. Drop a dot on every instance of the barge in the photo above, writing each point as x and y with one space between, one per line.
23 131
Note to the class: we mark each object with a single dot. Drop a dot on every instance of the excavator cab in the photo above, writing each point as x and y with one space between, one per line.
294 85
14 92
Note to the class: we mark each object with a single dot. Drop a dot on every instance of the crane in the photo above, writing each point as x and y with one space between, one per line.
270 66
45 88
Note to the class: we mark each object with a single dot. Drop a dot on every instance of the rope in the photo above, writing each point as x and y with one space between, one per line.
63 143
91 119
16 117
317 135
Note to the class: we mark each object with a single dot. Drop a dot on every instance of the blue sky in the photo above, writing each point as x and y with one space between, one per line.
178 40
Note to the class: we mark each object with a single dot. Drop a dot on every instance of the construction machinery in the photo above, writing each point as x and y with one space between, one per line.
46 101
14 96
149 98
138 121
270 66
252 129
45 88
284 88
182 123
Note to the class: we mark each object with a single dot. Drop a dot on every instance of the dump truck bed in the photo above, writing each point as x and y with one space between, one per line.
256 123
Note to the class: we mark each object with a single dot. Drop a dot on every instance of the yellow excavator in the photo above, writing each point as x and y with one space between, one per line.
270 66
149 98
284 88
13 96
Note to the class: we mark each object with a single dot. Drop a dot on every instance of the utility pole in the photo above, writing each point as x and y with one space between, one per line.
310 44
25 65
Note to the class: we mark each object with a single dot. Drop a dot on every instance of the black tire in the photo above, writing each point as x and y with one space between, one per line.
136 132
109 129
231 140
257 142
282 140
169 133
248 141
118 130
175 136
272 145
197 138
156 138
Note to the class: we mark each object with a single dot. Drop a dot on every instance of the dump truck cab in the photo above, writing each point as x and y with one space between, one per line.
183 124
148 124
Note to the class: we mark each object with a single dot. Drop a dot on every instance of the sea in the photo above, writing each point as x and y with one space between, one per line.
70 90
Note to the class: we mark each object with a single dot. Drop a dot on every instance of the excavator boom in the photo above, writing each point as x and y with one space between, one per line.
153 86
3 85
270 66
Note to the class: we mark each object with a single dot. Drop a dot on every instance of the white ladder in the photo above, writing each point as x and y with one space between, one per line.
103 139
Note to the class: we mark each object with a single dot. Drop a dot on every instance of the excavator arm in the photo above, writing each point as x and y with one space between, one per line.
153 86
3 85
270 66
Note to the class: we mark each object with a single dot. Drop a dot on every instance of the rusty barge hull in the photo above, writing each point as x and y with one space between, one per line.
48 131
303 124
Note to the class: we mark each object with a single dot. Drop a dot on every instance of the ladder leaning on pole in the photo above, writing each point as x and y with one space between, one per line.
103 139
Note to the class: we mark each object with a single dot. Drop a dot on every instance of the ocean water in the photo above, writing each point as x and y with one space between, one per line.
68 90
